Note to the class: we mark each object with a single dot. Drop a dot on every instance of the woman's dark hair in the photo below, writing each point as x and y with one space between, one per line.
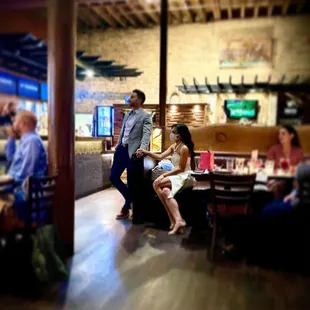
291 130
186 138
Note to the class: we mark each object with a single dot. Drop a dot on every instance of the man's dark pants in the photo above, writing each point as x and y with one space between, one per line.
133 193
121 162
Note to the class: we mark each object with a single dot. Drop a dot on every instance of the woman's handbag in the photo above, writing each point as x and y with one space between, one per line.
162 167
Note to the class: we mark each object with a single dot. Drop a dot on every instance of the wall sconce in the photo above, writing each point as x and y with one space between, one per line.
173 108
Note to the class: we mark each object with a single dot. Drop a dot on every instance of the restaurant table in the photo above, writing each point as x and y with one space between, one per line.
6 180
260 177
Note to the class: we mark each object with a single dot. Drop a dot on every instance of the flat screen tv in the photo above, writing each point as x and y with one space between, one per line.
28 88
105 121
8 84
43 92
237 109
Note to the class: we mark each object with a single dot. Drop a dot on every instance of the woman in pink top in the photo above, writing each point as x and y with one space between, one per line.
289 147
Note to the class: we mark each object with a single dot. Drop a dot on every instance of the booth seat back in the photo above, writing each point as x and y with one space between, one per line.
233 138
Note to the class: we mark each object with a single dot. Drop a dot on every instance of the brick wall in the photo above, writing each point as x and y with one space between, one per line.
193 51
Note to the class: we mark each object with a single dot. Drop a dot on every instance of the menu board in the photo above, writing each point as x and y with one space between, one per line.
28 88
7 83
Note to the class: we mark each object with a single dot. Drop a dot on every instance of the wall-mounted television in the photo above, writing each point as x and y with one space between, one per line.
8 84
43 92
241 108
104 121
28 88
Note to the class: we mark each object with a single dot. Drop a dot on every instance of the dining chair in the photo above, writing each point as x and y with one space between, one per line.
228 191
41 195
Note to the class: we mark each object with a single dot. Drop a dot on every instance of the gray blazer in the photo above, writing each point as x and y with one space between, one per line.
139 136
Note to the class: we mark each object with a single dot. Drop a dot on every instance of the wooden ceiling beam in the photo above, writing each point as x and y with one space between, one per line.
175 12
256 10
181 5
198 10
89 17
116 15
285 6
242 11
131 4
22 23
152 15
99 10
270 9
216 10
129 17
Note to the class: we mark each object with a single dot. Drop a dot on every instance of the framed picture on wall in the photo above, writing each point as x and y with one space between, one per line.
245 53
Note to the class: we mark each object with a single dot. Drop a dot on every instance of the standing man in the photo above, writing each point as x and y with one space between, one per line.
135 134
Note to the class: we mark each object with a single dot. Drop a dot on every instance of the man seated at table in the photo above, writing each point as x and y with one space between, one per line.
278 207
29 158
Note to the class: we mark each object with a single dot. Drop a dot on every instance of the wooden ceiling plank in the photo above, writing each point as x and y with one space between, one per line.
104 16
116 15
129 17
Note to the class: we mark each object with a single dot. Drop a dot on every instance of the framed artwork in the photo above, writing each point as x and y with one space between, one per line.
246 53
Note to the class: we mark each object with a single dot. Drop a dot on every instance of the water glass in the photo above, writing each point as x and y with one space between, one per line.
197 163
269 166
240 165
230 164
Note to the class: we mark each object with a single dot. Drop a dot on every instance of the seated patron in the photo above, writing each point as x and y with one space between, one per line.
286 205
8 114
27 159
171 182
288 148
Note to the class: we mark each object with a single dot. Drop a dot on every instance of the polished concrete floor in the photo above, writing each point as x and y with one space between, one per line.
122 267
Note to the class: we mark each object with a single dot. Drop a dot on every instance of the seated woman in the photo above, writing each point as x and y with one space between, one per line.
288 148
171 182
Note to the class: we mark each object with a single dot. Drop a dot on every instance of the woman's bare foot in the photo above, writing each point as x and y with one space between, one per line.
179 227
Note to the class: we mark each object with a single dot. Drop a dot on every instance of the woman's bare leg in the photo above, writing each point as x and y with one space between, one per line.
174 210
158 189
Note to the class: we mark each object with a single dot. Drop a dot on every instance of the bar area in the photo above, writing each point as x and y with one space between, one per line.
154 154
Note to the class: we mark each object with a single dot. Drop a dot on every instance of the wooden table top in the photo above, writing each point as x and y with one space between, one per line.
6 179
261 177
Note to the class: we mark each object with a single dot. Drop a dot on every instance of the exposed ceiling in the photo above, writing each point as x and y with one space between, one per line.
102 14
146 13
25 54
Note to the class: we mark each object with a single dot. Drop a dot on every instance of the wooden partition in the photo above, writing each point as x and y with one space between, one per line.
233 138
